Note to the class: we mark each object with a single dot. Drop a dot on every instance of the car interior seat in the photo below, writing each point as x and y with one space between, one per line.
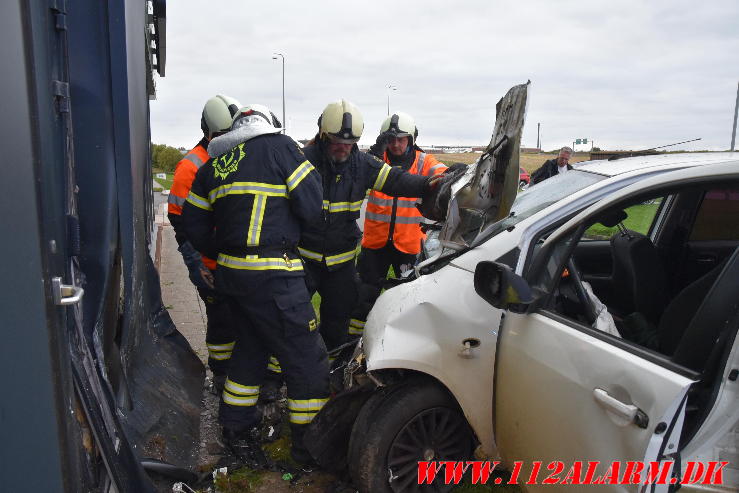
699 315
639 281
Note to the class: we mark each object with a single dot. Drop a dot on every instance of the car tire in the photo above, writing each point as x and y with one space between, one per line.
522 184
400 426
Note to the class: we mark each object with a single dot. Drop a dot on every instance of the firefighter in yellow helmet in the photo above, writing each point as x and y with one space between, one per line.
216 118
329 246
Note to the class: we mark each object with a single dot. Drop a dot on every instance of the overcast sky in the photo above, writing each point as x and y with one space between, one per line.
625 74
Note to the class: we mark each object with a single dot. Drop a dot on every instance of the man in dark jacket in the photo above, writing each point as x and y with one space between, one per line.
553 166
330 246
247 208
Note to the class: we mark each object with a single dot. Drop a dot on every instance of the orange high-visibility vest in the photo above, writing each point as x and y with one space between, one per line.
184 175
397 217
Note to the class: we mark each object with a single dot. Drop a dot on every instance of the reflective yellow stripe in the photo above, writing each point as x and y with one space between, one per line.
254 262
311 255
381 177
236 400
199 201
342 206
248 187
274 365
356 327
304 410
219 356
342 257
236 388
302 418
221 347
306 404
255 223
297 176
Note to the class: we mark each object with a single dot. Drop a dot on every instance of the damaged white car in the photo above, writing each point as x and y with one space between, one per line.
593 318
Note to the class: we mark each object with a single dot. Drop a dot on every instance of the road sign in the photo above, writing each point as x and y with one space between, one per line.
577 141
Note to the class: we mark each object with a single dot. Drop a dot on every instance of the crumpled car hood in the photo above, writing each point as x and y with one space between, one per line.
485 193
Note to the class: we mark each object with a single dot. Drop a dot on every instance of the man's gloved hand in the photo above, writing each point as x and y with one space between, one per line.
199 274
380 146
438 192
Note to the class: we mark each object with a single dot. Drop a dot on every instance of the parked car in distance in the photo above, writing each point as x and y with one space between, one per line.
524 178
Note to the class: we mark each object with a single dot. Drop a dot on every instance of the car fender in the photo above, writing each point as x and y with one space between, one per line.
418 326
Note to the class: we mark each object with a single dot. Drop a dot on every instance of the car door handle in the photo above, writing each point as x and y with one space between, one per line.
628 412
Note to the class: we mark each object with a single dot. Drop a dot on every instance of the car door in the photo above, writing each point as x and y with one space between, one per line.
568 394
563 395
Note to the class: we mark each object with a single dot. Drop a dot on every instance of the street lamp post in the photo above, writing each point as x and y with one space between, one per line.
390 87
274 57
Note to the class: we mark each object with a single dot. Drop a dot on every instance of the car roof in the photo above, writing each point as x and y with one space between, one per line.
681 160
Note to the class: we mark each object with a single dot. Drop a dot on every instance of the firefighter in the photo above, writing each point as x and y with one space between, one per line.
329 247
392 226
247 208
217 115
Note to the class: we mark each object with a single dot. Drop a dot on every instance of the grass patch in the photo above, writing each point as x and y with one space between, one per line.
240 481
640 218
279 450
165 183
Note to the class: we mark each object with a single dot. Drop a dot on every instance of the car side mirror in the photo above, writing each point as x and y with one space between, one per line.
498 285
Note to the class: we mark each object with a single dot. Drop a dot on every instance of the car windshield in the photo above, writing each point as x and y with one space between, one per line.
538 197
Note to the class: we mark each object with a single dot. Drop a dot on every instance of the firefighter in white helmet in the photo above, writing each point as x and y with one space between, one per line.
247 208
392 225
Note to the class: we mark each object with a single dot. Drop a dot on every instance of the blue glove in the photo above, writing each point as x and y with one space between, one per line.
199 274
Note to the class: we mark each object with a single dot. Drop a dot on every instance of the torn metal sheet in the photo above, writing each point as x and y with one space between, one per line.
485 193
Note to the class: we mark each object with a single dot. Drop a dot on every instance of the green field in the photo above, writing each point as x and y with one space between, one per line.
166 184
639 219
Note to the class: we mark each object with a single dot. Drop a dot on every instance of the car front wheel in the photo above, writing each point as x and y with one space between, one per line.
397 428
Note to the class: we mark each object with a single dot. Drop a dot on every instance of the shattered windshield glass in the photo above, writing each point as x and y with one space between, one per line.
538 197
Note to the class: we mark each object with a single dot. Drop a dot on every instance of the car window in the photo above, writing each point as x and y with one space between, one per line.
639 301
718 216
639 218
540 196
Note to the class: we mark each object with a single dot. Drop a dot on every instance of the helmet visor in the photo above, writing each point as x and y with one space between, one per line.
333 139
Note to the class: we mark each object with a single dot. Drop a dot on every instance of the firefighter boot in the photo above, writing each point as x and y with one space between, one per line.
298 452
247 446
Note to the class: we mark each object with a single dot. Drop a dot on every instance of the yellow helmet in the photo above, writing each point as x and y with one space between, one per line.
341 120
217 115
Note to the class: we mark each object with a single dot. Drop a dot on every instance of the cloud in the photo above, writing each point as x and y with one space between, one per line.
627 74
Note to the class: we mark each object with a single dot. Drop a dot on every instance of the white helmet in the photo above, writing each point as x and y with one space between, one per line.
258 111
217 115
342 120
400 124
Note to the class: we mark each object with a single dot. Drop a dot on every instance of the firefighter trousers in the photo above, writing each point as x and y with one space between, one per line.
275 318
220 334
338 290
373 265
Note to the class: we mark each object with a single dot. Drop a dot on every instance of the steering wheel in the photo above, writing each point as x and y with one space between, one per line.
582 295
